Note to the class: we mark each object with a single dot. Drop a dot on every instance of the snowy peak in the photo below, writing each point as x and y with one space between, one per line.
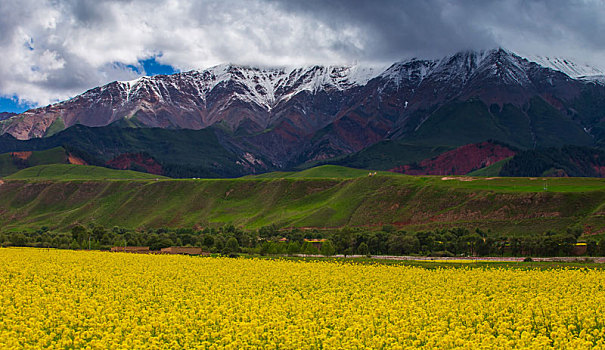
267 87
256 98
408 73
263 86
569 67
459 69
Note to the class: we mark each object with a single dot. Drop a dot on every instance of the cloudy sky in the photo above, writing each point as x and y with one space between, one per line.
54 49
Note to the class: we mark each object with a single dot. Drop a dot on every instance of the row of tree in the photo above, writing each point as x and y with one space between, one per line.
348 241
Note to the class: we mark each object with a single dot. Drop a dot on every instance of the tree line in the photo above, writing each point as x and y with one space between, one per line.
270 240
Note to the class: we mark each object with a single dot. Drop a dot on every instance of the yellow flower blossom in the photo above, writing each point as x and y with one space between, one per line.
58 299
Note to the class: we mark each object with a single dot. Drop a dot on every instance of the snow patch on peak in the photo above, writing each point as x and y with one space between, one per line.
598 79
409 71
569 67
268 86
132 82
459 68
356 75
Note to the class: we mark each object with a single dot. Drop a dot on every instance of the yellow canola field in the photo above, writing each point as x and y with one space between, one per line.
55 299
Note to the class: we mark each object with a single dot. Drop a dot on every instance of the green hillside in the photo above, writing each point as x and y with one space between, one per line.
512 205
182 153
492 170
10 163
565 161
77 172
459 123
388 154
323 171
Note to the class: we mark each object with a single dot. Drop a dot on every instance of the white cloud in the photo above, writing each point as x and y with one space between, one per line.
55 49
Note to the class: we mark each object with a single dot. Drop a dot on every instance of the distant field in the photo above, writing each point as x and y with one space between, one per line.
481 181
325 197
324 171
77 172
520 184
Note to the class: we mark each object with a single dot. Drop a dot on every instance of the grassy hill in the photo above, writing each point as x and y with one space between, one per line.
388 154
323 171
32 199
181 153
76 172
12 162
492 170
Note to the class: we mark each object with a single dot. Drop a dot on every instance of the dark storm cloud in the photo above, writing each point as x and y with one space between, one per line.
53 49
435 27
400 28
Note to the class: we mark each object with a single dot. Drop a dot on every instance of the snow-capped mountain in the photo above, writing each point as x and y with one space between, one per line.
290 115
194 99
263 87
569 67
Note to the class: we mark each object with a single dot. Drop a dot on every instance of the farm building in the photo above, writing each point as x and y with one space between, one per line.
316 242
130 249
579 248
184 250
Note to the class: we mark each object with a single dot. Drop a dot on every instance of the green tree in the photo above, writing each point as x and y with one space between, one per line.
219 244
309 249
399 244
327 248
80 234
74 244
293 248
388 228
208 241
363 249
98 232
157 242
601 248
232 246
277 248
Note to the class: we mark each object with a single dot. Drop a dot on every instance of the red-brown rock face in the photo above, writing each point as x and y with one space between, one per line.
460 161
130 161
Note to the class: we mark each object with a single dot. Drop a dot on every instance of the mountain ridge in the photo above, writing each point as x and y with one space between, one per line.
289 116
267 87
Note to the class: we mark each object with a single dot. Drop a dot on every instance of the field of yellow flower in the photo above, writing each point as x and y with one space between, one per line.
56 299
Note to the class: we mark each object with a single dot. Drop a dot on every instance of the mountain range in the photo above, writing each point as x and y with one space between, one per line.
232 120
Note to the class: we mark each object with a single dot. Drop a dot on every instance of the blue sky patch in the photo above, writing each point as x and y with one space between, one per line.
148 66
153 67
12 105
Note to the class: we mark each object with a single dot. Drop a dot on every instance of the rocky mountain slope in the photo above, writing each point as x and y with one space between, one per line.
286 117
460 161
6 115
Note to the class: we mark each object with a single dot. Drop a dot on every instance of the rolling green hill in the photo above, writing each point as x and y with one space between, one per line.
388 154
181 153
511 205
323 171
77 172
11 163
492 170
